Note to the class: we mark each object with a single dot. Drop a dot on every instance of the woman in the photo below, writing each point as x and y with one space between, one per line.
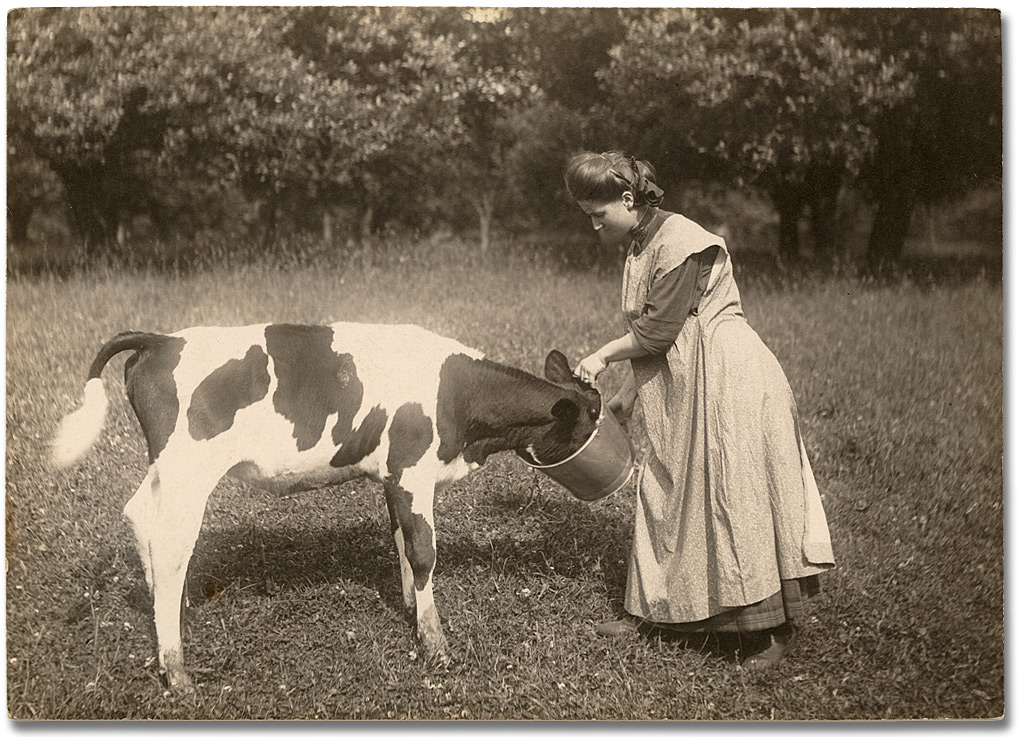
730 534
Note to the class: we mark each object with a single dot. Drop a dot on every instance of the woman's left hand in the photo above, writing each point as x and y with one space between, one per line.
589 368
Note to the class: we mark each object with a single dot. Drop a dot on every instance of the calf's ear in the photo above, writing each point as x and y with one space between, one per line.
557 370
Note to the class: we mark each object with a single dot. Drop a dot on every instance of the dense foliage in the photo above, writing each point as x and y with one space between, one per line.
779 100
271 120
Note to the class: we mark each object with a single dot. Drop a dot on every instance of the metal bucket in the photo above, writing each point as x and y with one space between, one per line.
602 465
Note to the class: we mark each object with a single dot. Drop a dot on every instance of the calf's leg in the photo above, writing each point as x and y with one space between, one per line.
393 501
410 500
166 515
137 512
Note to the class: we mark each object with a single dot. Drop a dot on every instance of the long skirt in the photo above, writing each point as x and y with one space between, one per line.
786 605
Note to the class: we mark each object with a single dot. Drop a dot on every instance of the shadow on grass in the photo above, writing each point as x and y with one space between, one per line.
268 560
575 541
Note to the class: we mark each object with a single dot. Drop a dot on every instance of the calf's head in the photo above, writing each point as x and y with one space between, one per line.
574 414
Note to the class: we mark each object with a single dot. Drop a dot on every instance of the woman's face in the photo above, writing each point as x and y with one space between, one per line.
612 220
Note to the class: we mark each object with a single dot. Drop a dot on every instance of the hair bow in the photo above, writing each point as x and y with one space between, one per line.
649 191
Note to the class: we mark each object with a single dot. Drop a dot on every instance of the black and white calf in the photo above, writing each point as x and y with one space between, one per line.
299 407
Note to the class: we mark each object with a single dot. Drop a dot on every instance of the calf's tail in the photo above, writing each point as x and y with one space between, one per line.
79 430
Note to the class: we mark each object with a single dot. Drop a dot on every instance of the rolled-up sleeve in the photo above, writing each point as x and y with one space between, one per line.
671 300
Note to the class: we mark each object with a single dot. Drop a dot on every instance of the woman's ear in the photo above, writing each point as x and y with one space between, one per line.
628 199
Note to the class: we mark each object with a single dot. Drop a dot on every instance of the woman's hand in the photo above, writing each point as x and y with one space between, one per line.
589 368
622 407
622 403
615 350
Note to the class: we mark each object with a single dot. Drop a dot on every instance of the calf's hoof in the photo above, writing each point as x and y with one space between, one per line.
434 650
179 683
172 667
439 662
438 659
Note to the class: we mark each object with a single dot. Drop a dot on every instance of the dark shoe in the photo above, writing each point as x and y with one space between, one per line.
624 627
780 642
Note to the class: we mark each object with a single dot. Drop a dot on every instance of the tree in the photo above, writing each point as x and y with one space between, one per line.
116 100
492 83
119 100
567 47
544 133
769 97
397 68
78 99
30 186
946 138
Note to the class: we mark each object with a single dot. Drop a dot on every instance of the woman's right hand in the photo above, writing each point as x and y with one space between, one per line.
590 367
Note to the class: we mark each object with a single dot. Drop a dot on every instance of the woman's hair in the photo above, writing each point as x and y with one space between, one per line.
604 177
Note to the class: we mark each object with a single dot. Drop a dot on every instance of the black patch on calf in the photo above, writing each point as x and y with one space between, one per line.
410 436
152 391
314 381
484 407
361 442
236 384
453 410
419 546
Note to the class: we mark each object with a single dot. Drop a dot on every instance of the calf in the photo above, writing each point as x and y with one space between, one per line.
300 407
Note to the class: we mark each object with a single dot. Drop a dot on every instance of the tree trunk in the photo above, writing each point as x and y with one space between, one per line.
270 222
327 227
823 197
485 206
364 244
789 205
365 227
19 215
122 234
931 228
90 222
891 226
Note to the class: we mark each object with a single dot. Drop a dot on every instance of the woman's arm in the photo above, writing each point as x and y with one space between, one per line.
670 301
620 349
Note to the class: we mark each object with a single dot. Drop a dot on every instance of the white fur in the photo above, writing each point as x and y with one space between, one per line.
79 430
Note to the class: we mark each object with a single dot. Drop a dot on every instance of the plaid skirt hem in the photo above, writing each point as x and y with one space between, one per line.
786 605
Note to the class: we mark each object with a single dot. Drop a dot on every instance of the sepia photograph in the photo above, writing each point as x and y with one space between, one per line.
504 364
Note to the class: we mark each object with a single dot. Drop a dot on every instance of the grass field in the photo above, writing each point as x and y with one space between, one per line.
294 605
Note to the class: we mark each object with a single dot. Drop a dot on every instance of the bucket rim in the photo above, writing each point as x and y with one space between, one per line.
576 453
627 478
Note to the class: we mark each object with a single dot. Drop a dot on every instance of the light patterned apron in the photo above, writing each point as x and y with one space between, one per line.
727 503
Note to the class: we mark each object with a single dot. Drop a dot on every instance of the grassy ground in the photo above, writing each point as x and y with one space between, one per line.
294 605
